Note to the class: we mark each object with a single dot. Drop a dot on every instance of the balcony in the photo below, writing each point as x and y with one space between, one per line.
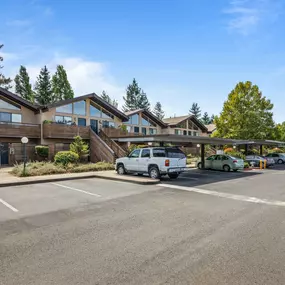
61 131
19 130
118 133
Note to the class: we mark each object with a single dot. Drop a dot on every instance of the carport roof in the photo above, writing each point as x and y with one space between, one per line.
178 139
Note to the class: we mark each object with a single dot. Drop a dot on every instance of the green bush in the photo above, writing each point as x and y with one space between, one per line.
47 121
246 164
42 150
80 147
66 157
236 154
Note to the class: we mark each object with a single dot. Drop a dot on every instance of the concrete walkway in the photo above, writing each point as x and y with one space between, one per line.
6 179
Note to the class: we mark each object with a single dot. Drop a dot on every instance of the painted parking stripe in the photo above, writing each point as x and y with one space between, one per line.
226 195
8 206
75 189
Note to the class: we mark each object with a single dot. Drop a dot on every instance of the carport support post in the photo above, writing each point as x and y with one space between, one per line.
246 149
261 150
161 144
203 155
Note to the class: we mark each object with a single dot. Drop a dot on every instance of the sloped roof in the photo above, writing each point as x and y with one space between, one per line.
211 127
149 115
19 100
95 98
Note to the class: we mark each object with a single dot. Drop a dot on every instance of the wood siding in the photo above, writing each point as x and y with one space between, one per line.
99 150
60 131
19 130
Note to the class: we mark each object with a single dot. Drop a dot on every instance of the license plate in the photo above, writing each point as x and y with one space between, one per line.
174 170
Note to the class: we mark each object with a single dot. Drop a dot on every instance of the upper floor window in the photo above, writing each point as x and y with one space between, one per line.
145 122
9 117
64 109
95 112
63 120
79 108
133 120
6 105
107 115
182 125
107 124
178 132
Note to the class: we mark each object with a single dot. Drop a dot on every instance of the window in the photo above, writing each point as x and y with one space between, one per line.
185 133
269 155
135 153
158 152
133 120
144 131
152 131
145 122
106 115
79 108
224 157
152 123
63 120
145 153
5 117
211 157
64 109
129 129
107 124
175 153
16 118
136 130
81 122
6 105
195 127
275 155
182 125
195 134
189 133
178 132
95 112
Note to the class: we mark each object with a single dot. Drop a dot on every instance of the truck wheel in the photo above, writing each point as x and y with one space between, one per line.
121 169
154 172
173 175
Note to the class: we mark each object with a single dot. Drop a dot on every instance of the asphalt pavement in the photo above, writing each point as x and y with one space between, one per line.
204 228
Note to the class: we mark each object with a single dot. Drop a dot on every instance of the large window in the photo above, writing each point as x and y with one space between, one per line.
152 131
145 122
95 112
79 108
64 109
107 124
63 120
6 105
107 115
133 120
16 118
82 122
144 131
136 130
182 125
178 132
9 117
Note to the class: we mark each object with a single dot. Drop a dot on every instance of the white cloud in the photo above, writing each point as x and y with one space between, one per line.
246 15
18 23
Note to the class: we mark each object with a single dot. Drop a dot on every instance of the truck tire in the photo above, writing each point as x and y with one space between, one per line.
154 172
173 175
121 169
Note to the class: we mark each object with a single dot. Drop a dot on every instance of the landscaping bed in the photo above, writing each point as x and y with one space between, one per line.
47 168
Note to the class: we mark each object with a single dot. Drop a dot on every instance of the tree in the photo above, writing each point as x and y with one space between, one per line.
206 119
135 98
195 110
279 132
246 114
79 147
212 119
61 87
4 82
23 86
43 89
108 99
158 112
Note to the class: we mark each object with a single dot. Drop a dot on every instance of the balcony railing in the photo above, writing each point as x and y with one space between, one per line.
118 133
61 131
19 130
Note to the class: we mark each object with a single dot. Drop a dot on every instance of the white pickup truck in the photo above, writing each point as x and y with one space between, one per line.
155 161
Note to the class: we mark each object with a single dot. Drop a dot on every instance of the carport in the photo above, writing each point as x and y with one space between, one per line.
162 139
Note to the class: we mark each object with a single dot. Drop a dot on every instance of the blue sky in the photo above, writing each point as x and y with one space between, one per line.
180 51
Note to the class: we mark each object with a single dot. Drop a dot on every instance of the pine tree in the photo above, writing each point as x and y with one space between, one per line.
206 119
212 119
158 112
135 98
61 87
195 110
23 86
108 99
43 89
4 82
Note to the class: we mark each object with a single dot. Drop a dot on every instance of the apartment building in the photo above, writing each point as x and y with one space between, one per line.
89 116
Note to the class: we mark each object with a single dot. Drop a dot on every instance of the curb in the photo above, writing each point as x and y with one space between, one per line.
28 182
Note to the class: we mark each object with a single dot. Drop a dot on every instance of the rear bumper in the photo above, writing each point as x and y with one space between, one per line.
174 170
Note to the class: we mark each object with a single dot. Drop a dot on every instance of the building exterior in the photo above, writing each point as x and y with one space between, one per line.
211 129
89 116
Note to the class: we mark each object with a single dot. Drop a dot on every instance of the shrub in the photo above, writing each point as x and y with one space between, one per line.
124 128
66 157
47 122
42 150
246 164
236 154
79 147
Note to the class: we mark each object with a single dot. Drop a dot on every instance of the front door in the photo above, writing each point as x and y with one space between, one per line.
4 154
94 125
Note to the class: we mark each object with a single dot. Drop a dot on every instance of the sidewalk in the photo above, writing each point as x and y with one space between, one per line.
7 179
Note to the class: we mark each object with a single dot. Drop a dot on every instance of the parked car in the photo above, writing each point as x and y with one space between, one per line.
279 158
254 160
222 162
156 162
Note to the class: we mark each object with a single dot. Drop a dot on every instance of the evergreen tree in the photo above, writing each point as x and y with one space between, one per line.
135 98
212 119
195 110
23 86
158 112
4 82
61 88
206 119
108 99
43 89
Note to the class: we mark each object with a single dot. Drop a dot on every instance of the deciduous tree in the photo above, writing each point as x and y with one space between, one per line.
23 86
5 82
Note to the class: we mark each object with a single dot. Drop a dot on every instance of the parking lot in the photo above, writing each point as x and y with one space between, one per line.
93 231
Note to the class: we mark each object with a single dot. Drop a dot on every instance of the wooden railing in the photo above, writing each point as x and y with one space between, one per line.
19 130
118 133
62 131
99 150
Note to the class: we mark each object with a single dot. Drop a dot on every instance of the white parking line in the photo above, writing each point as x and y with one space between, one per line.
226 195
78 190
8 205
